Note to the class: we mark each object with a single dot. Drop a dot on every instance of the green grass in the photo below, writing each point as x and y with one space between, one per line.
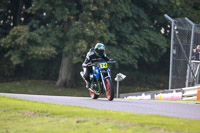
18 115
48 88
40 87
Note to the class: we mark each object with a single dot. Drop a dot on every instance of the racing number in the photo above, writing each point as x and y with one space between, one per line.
103 65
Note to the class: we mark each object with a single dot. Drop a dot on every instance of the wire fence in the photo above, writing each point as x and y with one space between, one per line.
196 35
181 51
195 56
185 37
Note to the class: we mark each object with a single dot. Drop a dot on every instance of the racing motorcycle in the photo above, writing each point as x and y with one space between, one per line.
101 82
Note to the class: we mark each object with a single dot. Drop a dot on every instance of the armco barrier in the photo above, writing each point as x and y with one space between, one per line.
159 94
143 96
169 96
191 93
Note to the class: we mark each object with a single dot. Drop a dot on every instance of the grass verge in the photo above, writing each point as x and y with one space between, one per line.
18 115
41 88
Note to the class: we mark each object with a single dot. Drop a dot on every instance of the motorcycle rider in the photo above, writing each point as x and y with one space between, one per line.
98 52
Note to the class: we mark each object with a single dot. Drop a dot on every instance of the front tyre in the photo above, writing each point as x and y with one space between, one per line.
109 89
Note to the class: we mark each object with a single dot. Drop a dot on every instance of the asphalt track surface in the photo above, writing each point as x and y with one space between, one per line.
166 108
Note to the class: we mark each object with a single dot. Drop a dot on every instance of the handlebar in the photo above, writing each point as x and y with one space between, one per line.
111 61
93 64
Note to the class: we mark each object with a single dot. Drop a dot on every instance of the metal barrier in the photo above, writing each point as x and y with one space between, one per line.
190 93
185 37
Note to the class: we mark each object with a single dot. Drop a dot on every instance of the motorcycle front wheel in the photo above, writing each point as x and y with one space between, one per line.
109 89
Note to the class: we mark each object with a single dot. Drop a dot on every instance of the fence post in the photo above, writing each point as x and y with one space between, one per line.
171 50
117 93
190 56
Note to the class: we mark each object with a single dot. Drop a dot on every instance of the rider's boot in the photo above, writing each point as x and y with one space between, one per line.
87 84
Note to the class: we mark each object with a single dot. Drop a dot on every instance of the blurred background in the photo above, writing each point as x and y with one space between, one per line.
44 42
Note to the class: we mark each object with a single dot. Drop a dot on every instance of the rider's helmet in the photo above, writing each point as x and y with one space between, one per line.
99 49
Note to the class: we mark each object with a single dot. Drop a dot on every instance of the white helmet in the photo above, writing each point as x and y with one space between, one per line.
99 49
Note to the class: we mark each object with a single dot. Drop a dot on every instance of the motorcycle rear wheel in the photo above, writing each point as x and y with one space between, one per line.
109 89
93 95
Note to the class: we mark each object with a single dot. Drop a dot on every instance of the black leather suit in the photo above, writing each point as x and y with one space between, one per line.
89 57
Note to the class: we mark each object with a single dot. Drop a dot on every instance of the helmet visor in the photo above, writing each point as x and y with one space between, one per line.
100 51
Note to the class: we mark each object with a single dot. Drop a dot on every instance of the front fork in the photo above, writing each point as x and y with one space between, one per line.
102 78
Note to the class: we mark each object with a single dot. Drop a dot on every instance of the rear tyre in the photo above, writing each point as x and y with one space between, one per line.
109 89
93 95
94 87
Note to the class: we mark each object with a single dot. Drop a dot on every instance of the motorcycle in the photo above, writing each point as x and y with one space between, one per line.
101 81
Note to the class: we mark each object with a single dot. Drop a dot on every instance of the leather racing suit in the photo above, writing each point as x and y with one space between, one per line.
89 57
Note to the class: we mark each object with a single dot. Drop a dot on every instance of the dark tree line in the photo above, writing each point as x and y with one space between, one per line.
47 38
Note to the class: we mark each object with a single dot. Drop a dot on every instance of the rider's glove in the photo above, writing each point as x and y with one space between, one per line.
111 60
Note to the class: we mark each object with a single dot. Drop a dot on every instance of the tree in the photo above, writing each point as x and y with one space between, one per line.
12 13
86 29
68 29
76 26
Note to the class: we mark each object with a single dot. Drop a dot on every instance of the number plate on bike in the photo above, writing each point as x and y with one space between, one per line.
103 65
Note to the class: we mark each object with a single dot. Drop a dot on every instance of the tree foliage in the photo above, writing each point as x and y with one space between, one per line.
121 25
47 29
